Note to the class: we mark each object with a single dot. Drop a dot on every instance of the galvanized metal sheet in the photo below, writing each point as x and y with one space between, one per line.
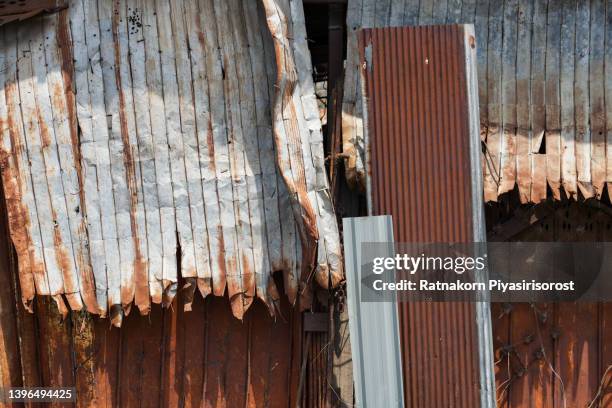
422 131
140 132
375 342
543 81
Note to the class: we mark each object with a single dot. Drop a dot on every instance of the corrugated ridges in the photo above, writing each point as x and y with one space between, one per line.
418 131
136 131
542 87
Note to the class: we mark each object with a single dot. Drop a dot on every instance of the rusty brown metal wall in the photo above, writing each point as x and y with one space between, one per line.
552 355
418 131
170 358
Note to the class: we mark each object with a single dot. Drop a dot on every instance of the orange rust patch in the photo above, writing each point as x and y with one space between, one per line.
44 131
219 287
140 268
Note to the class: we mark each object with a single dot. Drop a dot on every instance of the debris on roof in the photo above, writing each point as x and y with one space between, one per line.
137 135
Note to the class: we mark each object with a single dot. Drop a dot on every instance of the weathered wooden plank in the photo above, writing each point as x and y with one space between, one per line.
157 116
253 171
568 151
219 159
190 145
14 186
138 289
596 95
240 263
10 361
287 135
426 12
538 109
481 26
175 148
62 239
268 204
494 71
552 132
55 32
523 83
290 241
351 104
581 100
509 101
97 198
121 280
329 269
199 57
32 141
146 154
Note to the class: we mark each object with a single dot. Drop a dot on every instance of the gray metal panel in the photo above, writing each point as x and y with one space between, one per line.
483 309
375 342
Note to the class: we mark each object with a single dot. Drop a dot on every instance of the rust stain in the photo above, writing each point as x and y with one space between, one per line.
142 298
419 125
219 287
20 223
66 98
248 282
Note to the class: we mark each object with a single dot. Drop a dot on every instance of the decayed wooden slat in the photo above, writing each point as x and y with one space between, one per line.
329 268
509 71
239 263
55 33
176 148
493 151
187 127
218 155
290 258
273 250
581 100
146 149
157 116
120 280
138 290
523 82
552 133
596 96
482 39
32 141
199 59
537 107
568 151
287 134
351 106
98 202
61 229
15 187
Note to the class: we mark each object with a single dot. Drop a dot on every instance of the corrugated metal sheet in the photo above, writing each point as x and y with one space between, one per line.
553 355
416 93
376 358
544 76
206 358
138 133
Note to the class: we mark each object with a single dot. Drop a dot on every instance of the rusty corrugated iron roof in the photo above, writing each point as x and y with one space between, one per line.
543 81
140 133
418 127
